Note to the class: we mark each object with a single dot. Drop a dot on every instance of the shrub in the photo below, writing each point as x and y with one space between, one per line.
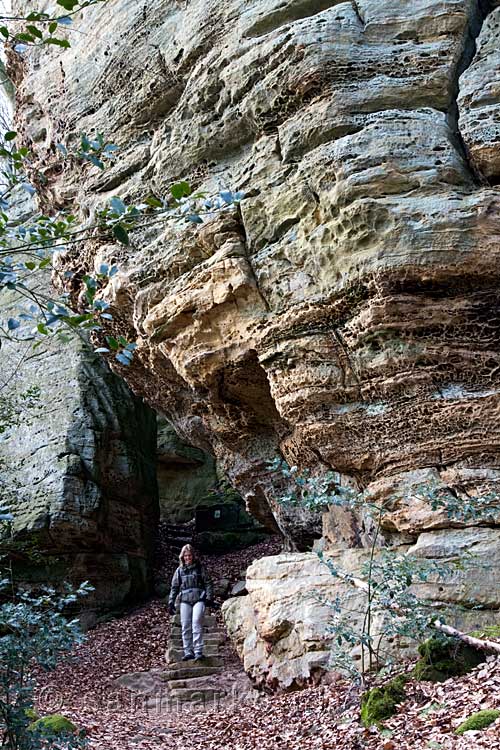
35 633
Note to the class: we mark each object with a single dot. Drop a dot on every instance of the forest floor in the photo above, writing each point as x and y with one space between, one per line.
317 718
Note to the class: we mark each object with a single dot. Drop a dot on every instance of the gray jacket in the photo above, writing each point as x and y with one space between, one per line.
192 583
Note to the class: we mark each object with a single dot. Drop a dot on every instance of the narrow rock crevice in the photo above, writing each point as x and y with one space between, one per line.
357 11
474 27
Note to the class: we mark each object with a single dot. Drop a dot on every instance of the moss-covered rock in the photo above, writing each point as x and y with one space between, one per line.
442 658
478 721
379 704
53 724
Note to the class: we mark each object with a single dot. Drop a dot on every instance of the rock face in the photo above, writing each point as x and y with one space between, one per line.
280 627
348 315
185 475
79 475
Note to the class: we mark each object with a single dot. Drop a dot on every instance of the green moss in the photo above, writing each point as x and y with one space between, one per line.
442 658
380 703
31 714
53 724
480 720
490 631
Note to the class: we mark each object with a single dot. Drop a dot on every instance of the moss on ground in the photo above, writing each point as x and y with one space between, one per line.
442 658
489 631
53 724
379 704
479 720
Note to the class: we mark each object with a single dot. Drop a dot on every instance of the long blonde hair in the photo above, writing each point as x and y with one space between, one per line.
187 548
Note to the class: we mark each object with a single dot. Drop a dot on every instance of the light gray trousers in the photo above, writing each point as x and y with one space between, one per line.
192 627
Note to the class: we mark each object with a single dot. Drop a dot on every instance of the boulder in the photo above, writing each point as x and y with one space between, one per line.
239 588
280 629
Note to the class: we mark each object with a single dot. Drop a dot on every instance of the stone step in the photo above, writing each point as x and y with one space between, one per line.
208 621
209 661
194 683
202 696
209 639
176 654
212 632
184 672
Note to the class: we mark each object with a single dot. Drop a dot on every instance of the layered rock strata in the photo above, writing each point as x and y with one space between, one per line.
347 315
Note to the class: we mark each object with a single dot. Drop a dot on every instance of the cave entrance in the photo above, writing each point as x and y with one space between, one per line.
197 505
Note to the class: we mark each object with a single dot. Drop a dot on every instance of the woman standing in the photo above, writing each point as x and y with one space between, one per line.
192 582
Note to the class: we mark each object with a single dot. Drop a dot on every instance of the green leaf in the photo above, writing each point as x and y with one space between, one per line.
52 27
154 202
95 161
41 328
121 234
68 4
180 190
30 264
35 31
4 31
25 37
76 320
10 135
58 42
112 342
118 205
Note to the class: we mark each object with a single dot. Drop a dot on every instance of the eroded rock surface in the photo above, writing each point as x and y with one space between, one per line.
79 475
348 314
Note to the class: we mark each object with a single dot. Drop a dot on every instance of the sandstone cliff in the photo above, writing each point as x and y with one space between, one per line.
79 472
185 475
347 315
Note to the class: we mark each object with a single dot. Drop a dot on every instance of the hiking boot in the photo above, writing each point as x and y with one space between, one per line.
187 657
199 657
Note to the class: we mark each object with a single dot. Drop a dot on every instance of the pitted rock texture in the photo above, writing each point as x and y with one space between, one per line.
347 315
479 101
79 475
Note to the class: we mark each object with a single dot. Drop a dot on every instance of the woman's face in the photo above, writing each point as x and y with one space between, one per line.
188 558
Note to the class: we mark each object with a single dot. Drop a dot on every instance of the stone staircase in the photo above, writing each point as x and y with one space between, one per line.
176 535
195 681
190 686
